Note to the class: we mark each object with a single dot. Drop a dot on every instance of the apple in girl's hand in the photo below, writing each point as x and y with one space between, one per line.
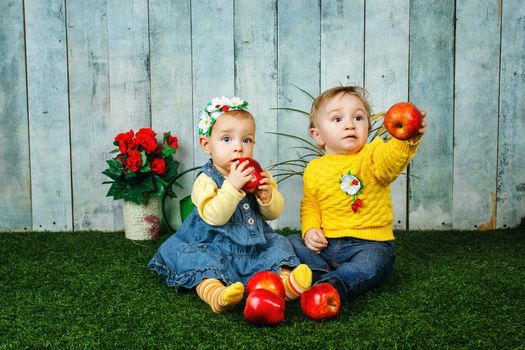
321 302
252 185
266 280
264 308
403 120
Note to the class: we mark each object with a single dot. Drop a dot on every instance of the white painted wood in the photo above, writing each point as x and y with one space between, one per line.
432 89
91 120
386 72
15 177
511 150
171 85
48 115
342 37
299 61
212 53
476 114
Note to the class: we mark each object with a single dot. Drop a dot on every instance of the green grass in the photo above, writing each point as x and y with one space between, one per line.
461 290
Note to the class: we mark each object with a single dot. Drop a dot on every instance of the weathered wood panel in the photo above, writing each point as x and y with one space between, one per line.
256 70
171 84
15 177
386 72
91 120
342 38
47 88
476 114
299 59
213 63
511 150
432 89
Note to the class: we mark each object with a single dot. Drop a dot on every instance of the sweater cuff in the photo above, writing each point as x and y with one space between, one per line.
308 224
407 146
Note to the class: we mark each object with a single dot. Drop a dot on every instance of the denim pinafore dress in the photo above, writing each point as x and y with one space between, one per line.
246 244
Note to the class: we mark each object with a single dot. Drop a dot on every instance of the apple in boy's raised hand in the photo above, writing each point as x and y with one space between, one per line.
403 120
264 308
252 185
321 302
266 280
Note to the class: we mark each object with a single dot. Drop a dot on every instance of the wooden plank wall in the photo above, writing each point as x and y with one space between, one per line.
76 73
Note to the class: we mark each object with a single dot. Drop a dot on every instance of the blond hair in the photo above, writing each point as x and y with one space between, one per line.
329 94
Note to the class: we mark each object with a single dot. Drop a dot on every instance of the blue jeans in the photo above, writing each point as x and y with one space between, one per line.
354 266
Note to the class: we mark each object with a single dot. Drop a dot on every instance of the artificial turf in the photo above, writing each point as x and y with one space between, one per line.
449 290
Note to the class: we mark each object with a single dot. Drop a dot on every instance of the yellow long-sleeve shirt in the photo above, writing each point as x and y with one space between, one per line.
326 206
217 205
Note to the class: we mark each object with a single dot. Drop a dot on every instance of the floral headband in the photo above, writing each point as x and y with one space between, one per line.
215 108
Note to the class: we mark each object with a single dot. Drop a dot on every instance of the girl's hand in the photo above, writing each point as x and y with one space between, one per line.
239 176
264 191
315 240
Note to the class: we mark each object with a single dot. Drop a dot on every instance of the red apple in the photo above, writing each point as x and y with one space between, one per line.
266 280
321 302
264 308
403 120
252 185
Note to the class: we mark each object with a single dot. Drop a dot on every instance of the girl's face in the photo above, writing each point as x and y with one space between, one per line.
341 125
232 137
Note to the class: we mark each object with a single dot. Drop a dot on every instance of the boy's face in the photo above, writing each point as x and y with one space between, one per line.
341 125
232 137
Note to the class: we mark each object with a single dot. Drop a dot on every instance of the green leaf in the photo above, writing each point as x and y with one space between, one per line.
293 137
292 110
143 158
304 91
168 151
144 169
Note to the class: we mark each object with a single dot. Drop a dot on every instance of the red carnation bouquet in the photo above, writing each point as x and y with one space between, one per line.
142 166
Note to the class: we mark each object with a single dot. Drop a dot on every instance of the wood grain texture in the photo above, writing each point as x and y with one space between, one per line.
47 87
342 43
476 114
511 146
213 57
299 60
386 72
91 120
432 89
15 177
171 85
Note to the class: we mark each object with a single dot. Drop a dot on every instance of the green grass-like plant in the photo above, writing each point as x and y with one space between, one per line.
85 290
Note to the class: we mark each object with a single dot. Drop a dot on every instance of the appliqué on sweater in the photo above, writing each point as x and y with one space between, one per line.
351 185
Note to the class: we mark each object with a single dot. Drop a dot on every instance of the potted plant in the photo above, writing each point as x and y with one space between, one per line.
139 172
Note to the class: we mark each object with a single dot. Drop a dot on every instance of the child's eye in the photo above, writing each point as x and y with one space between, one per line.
247 140
226 139
336 119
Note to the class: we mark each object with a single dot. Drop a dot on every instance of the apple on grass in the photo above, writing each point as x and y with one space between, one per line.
252 185
266 280
264 308
321 302
403 120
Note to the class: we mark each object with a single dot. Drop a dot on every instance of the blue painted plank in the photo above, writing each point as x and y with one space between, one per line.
511 150
342 37
432 89
213 58
15 196
90 115
48 115
299 61
386 72
476 111
171 84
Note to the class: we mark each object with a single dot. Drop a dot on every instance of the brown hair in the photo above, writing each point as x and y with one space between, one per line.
329 94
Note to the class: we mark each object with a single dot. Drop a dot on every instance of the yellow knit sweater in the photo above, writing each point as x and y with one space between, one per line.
326 206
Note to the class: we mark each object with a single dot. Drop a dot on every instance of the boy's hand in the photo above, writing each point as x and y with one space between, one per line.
239 176
264 191
315 240
423 123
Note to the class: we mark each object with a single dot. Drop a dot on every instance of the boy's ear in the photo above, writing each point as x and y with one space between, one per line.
314 132
205 144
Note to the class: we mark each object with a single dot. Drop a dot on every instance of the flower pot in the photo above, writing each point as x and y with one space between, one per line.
142 221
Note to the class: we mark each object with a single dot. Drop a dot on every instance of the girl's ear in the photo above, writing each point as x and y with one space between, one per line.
205 144
314 132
